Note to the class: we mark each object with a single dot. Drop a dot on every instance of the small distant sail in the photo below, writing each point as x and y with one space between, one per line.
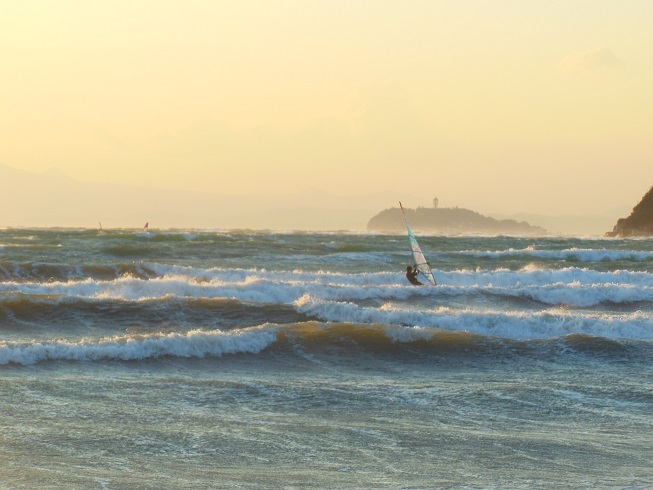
420 261
100 225
147 226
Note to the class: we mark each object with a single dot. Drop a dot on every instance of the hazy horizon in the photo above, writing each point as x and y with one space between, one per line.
74 203
539 108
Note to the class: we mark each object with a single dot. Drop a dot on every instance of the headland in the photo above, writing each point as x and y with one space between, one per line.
449 220
640 221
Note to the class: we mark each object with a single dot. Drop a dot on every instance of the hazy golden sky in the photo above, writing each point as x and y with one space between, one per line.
500 106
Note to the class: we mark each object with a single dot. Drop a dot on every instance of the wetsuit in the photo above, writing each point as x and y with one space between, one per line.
411 275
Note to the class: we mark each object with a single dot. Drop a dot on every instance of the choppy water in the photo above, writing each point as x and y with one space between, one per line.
202 359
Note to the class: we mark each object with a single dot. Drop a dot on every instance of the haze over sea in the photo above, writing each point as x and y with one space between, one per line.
210 359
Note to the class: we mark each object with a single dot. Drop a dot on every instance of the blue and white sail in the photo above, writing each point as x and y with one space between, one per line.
421 263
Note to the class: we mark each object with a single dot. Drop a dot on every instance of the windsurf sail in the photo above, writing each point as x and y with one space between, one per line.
147 226
421 263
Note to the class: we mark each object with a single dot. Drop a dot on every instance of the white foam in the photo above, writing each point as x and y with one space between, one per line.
506 324
580 254
197 343
409 334
571 286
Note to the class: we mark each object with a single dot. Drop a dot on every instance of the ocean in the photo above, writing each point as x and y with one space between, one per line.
257 359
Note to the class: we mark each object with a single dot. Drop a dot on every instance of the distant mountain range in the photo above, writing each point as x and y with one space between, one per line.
54 199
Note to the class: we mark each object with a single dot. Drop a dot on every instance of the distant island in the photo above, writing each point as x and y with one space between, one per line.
449 220
640 221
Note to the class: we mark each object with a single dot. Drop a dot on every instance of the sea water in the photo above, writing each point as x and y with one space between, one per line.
213 359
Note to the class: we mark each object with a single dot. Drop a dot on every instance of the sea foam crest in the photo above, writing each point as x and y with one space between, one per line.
575 294
529 275
533 276
246 286
580 254
197 343
512 325
572 286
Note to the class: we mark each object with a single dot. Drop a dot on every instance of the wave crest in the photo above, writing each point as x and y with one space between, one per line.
197 343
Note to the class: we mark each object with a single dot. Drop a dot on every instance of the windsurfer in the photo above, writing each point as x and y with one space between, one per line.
411 274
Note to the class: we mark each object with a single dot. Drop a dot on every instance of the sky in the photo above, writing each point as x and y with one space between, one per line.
501 106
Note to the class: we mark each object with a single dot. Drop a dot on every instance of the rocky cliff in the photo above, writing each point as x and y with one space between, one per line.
640 221
449 220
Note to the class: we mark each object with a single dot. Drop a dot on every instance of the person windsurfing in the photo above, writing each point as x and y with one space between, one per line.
411 275
422 265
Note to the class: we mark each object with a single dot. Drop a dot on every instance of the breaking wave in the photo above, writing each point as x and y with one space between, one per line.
518 325
578 254
573 287
310 341
195 344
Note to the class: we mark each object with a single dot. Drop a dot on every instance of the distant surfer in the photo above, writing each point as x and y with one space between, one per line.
411 274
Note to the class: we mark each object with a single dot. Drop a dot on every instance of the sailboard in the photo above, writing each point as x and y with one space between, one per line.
421 263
